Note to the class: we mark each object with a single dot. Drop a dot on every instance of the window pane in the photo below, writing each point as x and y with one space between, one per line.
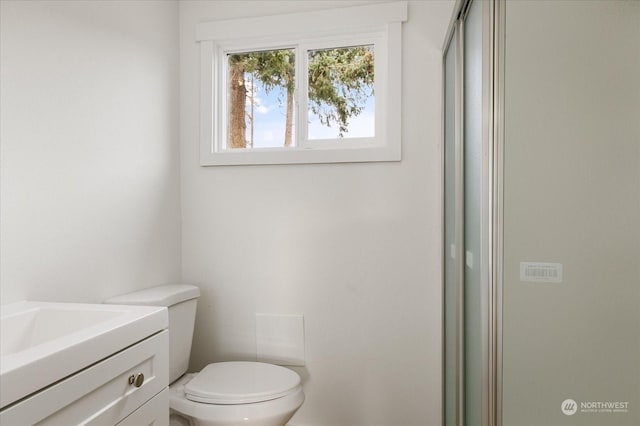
341 99
261 99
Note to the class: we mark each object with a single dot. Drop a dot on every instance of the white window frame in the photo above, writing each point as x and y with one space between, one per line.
378 24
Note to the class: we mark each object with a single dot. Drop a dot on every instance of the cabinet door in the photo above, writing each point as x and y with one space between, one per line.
99 395
153 413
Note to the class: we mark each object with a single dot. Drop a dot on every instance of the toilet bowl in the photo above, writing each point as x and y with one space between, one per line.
225 393
236 393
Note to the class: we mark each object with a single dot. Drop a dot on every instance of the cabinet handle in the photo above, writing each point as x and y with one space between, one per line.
136 379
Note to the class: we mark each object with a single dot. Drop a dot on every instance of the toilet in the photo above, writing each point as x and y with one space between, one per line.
224 393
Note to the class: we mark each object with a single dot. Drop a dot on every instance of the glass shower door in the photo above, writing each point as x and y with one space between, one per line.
451 290
472 143
462 251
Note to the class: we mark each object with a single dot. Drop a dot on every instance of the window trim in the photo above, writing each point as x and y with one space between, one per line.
381 23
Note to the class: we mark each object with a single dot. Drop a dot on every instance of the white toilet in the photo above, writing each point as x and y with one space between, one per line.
223 393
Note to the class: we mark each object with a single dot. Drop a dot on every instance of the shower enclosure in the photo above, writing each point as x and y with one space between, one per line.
541 199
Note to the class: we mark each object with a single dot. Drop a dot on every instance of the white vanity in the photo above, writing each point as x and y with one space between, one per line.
75 364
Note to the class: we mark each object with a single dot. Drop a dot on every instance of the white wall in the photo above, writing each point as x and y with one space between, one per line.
572 196
90 202
89 152
353 247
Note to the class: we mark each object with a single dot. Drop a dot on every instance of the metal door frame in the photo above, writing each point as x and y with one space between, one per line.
493 16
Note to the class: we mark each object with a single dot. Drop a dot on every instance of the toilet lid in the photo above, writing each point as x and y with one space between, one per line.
240 382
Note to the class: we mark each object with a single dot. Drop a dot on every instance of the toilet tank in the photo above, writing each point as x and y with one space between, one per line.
181 301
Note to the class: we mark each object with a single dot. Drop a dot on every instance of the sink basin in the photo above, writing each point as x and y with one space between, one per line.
43 342
41 324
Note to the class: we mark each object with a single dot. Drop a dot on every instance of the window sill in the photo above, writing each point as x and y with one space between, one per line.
299 156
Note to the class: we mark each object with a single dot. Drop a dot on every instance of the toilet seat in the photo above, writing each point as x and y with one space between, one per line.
273 412
238 382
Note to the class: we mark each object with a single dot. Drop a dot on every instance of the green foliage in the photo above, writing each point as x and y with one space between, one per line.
274 68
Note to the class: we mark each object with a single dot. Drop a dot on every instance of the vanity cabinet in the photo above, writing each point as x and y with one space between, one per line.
154 412
130 387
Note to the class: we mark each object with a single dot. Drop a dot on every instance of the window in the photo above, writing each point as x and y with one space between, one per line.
311 87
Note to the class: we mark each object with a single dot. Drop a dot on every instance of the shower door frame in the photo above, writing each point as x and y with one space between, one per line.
491 256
